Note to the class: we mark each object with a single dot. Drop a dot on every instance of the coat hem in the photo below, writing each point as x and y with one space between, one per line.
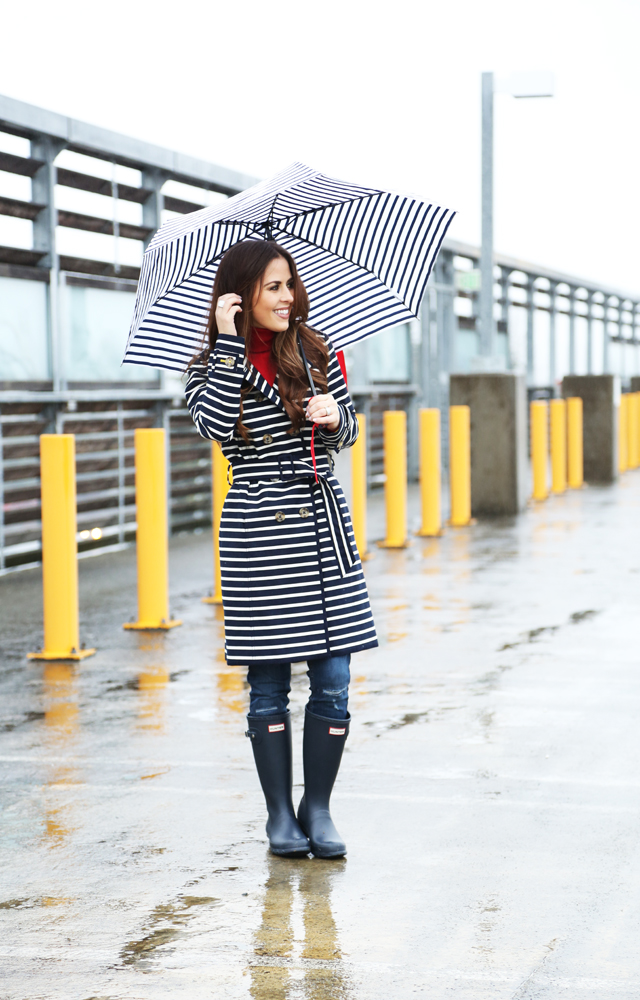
296 658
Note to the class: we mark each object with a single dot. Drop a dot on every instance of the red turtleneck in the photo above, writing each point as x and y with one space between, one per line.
260 353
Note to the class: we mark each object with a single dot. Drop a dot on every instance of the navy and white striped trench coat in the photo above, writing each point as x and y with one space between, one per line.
292 582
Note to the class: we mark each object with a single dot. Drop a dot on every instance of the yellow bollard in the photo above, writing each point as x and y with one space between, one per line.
59 550
359 487
575 472
430 485
539 417
460 465
152 536
623 434
220 475
558 409
395 470
633 444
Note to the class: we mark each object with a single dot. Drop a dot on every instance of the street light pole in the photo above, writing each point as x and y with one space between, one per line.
527 84
486 253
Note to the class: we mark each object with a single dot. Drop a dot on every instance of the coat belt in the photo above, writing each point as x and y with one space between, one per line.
343 543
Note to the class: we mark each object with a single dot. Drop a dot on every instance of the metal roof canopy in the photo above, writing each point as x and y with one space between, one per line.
31 122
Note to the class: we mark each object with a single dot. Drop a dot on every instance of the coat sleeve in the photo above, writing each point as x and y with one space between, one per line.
347 431
213 390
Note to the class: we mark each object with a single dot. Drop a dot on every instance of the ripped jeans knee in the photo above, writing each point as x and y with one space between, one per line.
329 682
329 677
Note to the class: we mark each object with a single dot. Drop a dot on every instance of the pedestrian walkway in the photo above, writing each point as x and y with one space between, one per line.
489 794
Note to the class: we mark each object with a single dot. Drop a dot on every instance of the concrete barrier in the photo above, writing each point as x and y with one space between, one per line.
600 396
499 473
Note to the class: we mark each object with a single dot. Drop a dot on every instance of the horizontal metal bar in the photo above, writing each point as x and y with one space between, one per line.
386 389
87 396
19 209
19 441
98 185
95 224
98 415
19 418
179 205
16 255
26 166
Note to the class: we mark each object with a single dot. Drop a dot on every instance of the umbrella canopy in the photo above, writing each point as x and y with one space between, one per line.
364 256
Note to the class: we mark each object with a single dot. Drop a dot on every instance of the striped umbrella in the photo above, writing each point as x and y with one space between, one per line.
364 255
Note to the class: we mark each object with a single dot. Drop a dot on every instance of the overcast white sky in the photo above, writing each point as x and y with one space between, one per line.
385 94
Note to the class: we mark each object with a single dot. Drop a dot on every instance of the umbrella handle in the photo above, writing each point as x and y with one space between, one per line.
306 364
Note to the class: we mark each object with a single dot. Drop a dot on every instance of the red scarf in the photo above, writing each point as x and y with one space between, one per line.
260 353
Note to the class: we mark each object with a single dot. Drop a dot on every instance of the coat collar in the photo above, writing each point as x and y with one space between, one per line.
259 382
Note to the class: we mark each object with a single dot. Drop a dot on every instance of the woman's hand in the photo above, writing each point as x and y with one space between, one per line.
226 308
323 410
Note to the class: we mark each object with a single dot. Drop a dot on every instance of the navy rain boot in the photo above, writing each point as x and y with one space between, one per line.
322 747
271 741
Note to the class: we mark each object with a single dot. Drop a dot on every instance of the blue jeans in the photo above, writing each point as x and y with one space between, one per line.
328 679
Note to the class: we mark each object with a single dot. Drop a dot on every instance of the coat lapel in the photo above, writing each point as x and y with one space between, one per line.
259 382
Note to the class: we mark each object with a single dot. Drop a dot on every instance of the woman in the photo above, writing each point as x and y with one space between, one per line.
292 582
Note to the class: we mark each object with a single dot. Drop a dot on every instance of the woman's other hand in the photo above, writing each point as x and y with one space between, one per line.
226 308
323 410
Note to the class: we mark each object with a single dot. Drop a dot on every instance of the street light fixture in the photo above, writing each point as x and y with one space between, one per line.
524 84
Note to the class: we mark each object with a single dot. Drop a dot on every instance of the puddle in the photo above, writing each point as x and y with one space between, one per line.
574 619
174 917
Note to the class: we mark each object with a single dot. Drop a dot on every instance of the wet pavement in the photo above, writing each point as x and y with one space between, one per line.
489 795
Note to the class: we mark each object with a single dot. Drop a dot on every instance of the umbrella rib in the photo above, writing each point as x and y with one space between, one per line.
339 256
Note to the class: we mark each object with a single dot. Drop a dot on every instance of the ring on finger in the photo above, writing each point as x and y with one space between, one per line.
220 303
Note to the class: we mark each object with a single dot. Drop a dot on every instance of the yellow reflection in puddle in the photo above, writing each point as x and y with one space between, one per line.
62 722
309 882
232 688
152 683
431 552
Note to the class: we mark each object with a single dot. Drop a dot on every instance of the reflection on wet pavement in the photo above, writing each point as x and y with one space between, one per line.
488 794
284 964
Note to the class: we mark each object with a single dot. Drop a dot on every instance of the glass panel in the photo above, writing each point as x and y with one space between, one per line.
24 356
389 357
97 329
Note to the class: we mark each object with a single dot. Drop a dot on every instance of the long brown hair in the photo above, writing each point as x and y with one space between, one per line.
241 271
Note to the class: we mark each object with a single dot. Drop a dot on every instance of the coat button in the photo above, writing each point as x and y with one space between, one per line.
267 439
279 516
304 512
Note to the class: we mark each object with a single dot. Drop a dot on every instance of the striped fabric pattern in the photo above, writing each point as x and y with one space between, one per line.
287 591
364 255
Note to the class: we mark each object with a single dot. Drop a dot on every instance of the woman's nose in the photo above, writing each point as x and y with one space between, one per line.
288 295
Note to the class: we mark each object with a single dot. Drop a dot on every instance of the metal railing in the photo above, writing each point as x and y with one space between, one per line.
105 475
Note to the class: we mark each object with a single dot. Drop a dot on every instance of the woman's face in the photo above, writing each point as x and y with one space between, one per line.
274 297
